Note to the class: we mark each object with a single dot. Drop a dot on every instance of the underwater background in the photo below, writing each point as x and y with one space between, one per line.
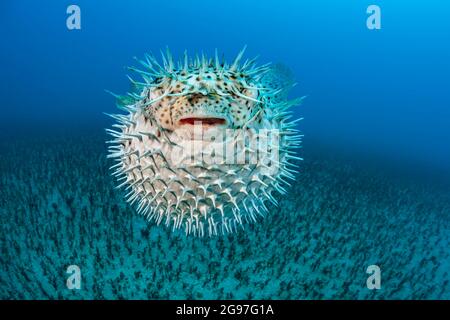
374 186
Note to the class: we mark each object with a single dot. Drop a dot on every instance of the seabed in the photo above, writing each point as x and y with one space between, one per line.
59 207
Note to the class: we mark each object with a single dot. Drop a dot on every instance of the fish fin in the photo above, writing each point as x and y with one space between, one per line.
279 78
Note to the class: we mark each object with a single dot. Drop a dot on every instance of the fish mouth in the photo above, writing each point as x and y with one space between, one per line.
203 121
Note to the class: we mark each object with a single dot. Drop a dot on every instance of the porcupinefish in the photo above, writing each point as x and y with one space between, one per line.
204 144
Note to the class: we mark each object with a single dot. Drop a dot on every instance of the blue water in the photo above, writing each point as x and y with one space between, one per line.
371 91
376 100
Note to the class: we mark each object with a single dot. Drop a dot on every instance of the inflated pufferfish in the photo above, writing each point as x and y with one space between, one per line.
205 144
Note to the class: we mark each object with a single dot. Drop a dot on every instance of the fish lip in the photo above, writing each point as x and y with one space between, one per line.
204 120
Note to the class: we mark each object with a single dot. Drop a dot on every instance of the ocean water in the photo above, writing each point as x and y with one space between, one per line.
373 188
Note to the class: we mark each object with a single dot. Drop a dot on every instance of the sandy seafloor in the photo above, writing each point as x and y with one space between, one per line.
58 207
